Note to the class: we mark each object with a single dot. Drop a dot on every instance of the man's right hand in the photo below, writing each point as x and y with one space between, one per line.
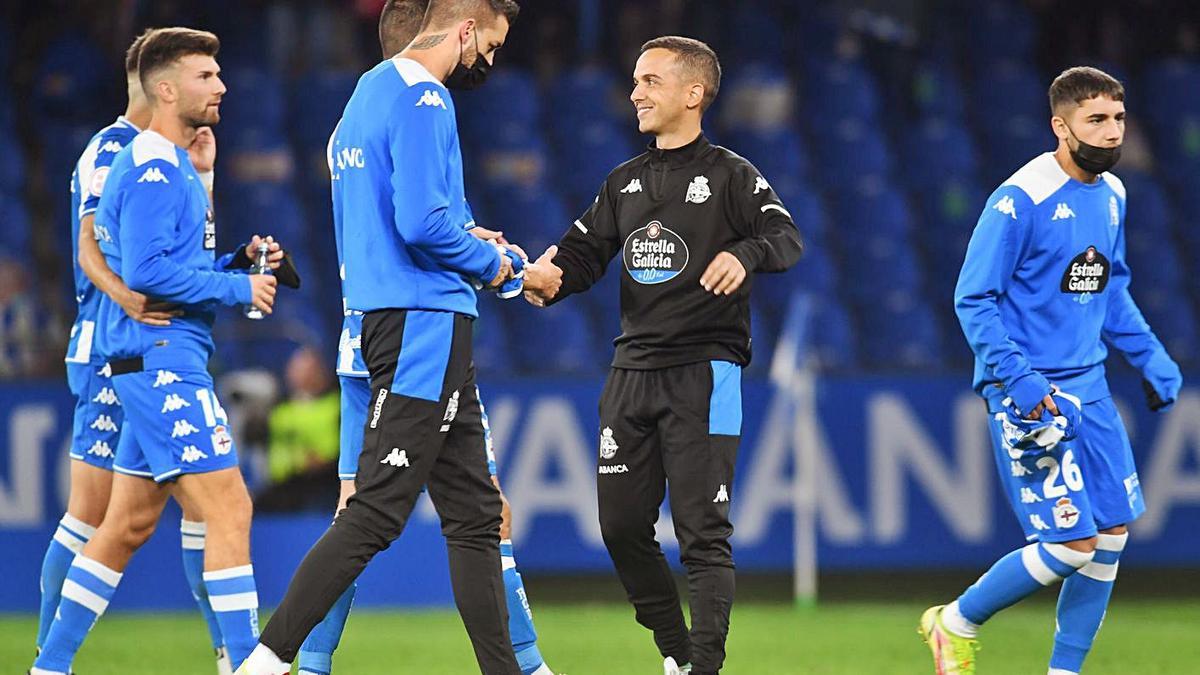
1046 404
262 291
150 312
505 272
543 278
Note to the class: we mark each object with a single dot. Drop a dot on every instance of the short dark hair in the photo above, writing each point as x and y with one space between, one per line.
399 23
135 51
696 59
442 12
165 46
1078 84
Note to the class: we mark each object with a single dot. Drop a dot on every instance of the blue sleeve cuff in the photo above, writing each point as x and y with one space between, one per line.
243 292
1028 391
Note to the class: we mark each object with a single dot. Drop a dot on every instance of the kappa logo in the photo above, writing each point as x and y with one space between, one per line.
183 428
432 99
1028 496
106 397
109 146
761 185
104 423
153 175
378 407
174 402
106 371
222 442
1062 212
451 412
1018 469
722 495
192 454
100 449
1007 207
397 458
698 191
1036 521
635 185
165 377
1065 513
608 469
608 444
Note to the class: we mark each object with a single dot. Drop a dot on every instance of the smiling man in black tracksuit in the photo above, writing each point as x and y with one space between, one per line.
691 221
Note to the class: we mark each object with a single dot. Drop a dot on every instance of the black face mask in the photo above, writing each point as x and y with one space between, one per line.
1092 158
466 78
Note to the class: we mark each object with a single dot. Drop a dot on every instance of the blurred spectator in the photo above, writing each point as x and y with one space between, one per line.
18 321
303 450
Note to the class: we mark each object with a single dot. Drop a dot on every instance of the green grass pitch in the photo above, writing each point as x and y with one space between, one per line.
1141 638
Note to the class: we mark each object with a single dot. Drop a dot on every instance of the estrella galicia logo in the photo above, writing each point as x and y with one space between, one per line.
1087 273
655 254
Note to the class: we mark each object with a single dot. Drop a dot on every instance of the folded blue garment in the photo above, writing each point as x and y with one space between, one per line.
1040 435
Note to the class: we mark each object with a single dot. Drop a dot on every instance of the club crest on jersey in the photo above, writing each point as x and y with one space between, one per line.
654 254
1065 513
96 184
698 192
1087 273
210 230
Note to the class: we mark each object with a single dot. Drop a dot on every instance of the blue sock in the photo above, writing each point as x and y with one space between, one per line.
316 654
520 618
191 535
1082 602
234 599
1016 576
67 542
85 595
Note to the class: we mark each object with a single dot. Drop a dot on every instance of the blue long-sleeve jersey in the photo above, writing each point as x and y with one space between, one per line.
1045 284
156 230
398 197
87 185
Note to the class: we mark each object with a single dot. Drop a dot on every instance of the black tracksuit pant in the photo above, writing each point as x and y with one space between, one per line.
424 428
675 426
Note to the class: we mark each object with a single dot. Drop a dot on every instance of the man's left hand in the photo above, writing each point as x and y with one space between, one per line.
274 250
203 150
724 275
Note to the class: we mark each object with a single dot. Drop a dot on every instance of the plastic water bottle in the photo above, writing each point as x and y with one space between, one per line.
260 266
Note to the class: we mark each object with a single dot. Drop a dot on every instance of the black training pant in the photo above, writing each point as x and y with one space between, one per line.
678 426
424 428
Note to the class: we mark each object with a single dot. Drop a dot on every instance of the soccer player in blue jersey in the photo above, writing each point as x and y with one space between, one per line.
399 23
98 411
1043 293
155 227
409 262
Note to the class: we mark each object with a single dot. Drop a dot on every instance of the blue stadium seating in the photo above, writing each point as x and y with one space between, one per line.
586 96
73 69
833 333
254 98
937 92
317 101
554 339
840 90
779 153
851 152
901 336
937 151
588 156
12 163
15 234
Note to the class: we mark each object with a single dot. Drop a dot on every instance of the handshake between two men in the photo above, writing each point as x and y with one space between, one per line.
541 278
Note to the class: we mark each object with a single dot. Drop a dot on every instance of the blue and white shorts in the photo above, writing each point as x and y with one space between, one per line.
1080 486
96 426
174 425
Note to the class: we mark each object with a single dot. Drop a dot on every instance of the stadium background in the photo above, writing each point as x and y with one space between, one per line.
882 125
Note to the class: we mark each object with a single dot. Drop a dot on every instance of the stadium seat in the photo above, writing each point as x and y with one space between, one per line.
901 336
937 151
840 90
1020 138
937 92
554 339
1147 208
1176 326
318 99
999 30
853 151
12 162
15 234
586 96
73 69
833 336
881 269
516 158
806 206
872 213
255 98
778 153
586 159
511 102
528 216
1007 90
1173 85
